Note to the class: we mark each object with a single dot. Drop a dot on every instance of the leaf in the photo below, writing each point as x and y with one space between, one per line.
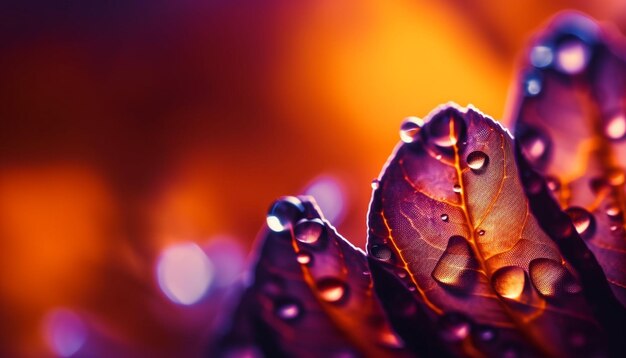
311 294
570 120
450 221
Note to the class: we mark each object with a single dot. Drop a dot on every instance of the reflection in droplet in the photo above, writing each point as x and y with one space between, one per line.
304 257
616 127
444 217
572 56
446 128
283 213
410 129
541 56
332 290
309 231
583 221
184 273
551 278
509 282
64 332
375 184
477 161
454 327
381 252
330 196
287 309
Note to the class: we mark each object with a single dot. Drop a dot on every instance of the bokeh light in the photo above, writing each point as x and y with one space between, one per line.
64 332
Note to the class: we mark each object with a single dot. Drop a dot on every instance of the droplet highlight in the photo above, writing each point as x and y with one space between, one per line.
288 309
304 258
410 129
615 127
375 184
444 217
332 290
509 282
457 188
446 128
381 252
583 221
283 213
309 231
477 161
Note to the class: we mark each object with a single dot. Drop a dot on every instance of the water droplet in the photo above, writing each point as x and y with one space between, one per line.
332 290
287 309
613 210
532 84
381 252
615 177
583 221
283 213
509 282
541 56
390 339
615 127
553 183
402 274
410 129
551 278
304 257
456 188
446 128
481 232
484 333
454 267
309 231
438 156
572 56
375 184
535 144
444 217
477 161
454 327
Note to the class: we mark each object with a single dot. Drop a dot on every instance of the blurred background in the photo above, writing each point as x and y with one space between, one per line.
142 142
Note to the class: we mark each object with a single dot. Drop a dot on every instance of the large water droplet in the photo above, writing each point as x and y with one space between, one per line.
283 213
551 278
541 56
509 282
447 128
288 309
381 252
454 267
477 161
535 144
572 56
304 258
615 127
583 221
410 129
454 327
309 231
332 290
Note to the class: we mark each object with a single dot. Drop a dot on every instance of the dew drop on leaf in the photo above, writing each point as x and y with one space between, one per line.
572 56
304 258
446 129
613 210
381 252
375 184
332 290
283 213
309 231
454 264
481 232
456 188
583 221
454 327
410 129
553 183
551 278
287 309
444 217
509 282
615 128
532 84
477 161
535 145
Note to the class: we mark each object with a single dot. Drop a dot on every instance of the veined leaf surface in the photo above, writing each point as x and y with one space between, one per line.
449 219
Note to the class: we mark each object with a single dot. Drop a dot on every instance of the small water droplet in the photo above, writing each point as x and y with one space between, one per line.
541 56
615 177
412 288
583 221
438 156
454 327
375 184
309 231
615 127
381 252
484 333
477 161
481 232
410 129
444 217
572 56
551 278
456 188
283 213
304 257
613 210
509 282
402 274
446 128
535 145
553 183
288 309
332 290
532 85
